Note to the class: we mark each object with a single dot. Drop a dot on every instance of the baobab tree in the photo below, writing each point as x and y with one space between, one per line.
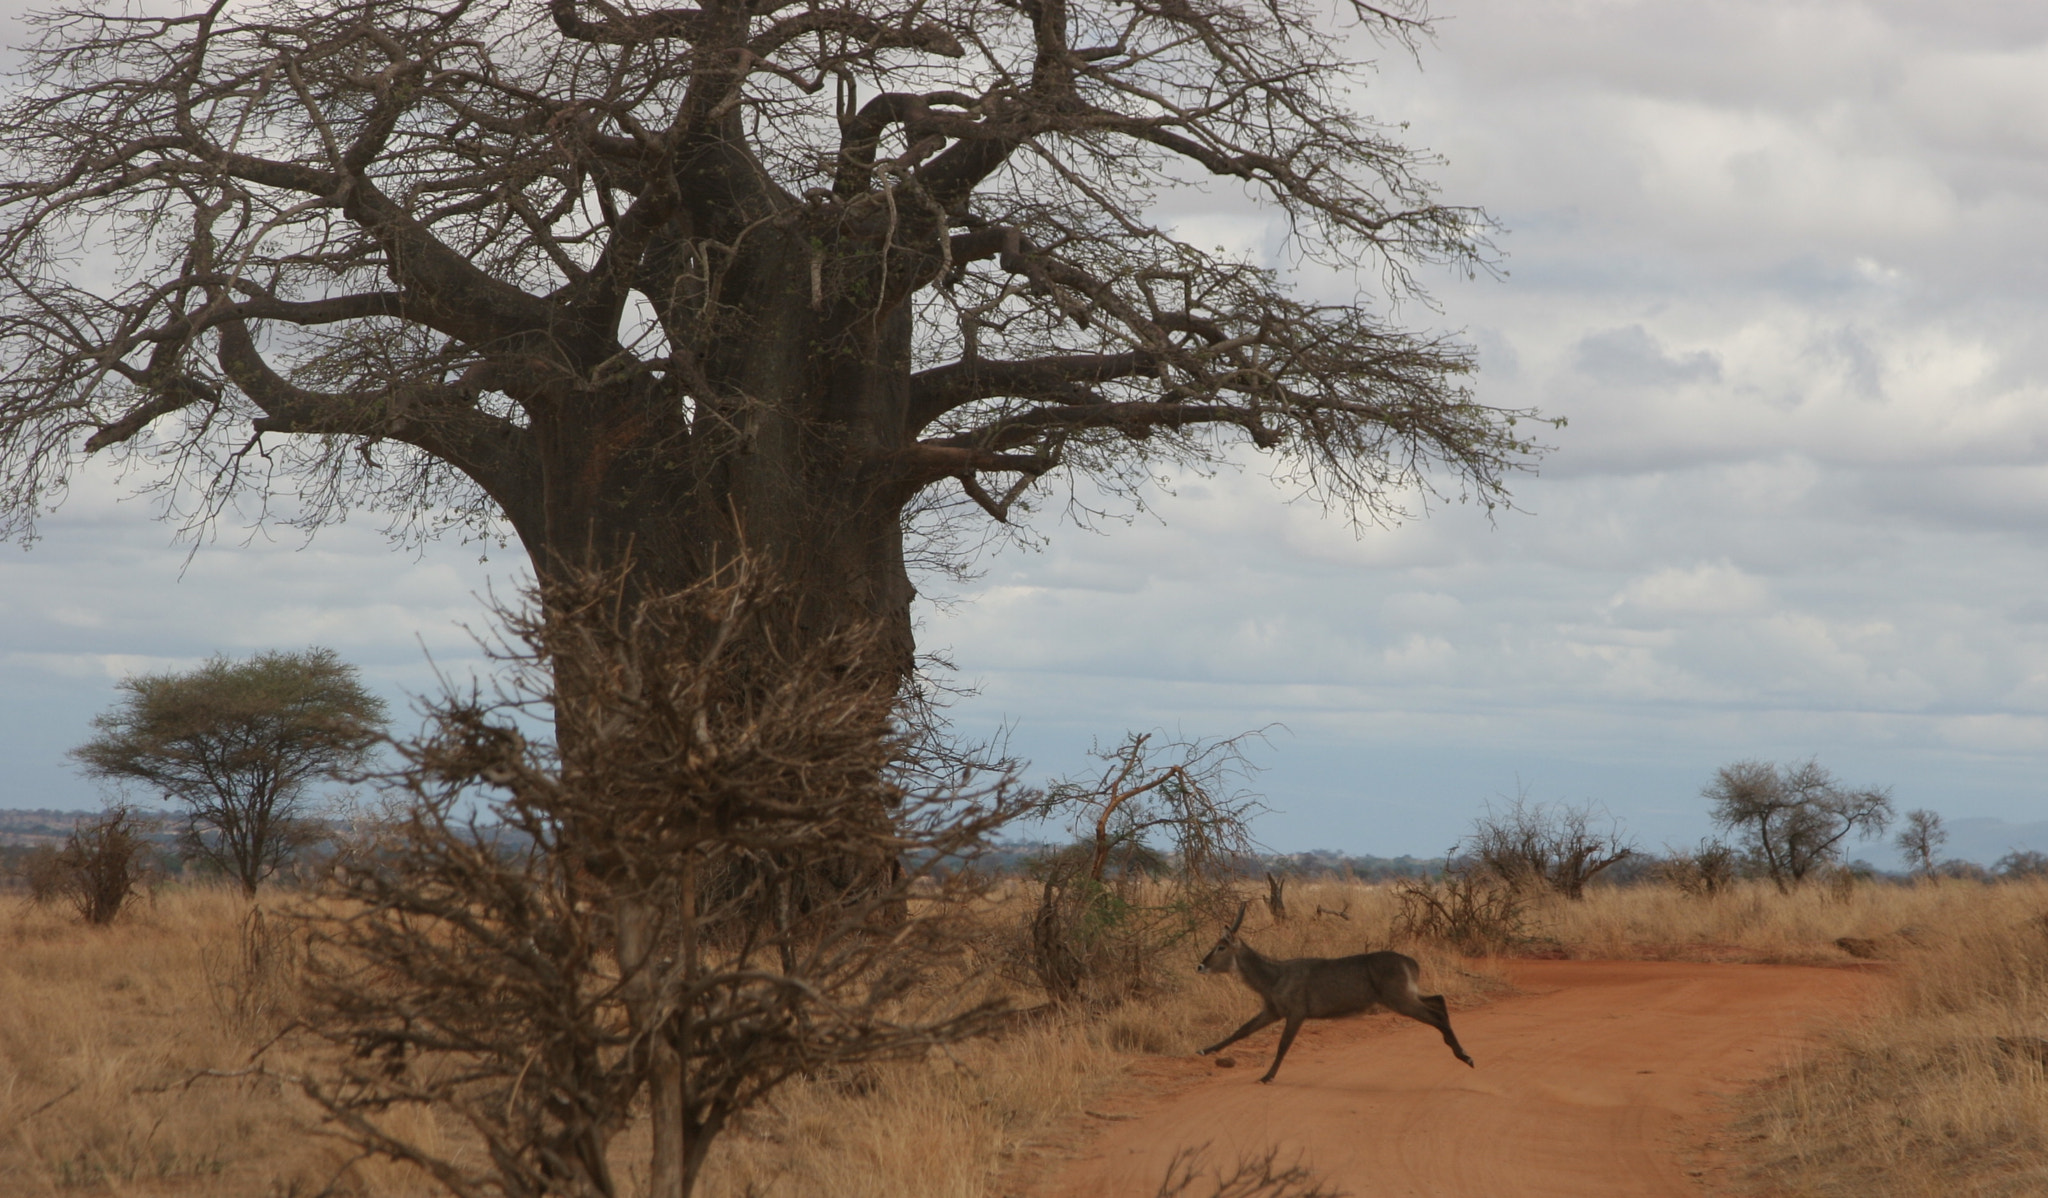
652 285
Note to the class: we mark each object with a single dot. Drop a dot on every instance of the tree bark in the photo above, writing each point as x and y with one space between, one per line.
796 462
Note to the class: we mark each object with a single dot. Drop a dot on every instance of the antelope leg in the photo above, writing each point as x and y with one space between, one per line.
1250 1025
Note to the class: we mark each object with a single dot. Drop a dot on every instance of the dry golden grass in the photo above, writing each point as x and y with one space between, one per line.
105 1026
1941 1089
103 1029
1752 921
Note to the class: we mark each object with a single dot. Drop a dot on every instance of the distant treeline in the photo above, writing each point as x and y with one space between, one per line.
1020 857
22 831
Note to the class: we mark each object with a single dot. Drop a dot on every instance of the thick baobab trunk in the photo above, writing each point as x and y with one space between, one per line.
797 463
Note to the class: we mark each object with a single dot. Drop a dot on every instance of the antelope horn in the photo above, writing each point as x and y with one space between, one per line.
1237 923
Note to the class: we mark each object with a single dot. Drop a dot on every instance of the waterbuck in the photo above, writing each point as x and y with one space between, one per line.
1323 988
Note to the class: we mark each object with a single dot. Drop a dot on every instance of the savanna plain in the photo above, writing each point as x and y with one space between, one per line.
126 1051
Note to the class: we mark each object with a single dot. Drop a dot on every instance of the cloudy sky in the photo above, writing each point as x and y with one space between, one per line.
1782 267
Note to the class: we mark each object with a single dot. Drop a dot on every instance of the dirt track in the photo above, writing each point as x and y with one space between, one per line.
1601 1078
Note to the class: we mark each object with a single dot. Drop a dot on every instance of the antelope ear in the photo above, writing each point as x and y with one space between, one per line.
1237 923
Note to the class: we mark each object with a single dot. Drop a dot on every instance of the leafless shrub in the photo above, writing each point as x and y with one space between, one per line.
1099 931
1468 909
1260 1176
1967 871
1540 846
102 864
547 945
1704 871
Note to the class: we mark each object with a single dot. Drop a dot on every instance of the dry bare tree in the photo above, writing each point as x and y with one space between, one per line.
630 931
648 282
1921 839
1794 819
1093 935
1191 792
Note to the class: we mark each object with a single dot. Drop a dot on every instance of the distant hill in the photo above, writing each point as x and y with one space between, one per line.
29 828
1986 840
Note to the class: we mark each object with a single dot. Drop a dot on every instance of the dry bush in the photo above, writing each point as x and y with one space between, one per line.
1276 898
699 901
1541 846
103 862
43 873
1944 1090
1471 910
255 978
1103 925
1705 870
1109 942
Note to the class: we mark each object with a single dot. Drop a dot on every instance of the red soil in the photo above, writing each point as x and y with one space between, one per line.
1600 1078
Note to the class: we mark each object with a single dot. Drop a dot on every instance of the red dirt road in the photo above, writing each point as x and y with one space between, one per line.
1601 1078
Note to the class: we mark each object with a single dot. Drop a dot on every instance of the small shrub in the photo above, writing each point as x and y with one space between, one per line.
1538 846
1469 910
1970 871
1095 933
1702 872
1105 942
42 870
102 863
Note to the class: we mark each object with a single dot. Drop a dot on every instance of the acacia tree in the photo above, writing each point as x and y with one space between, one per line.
651 283
238 744
1793 819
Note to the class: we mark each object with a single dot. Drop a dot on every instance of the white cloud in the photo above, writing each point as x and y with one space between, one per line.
100 666
1778 262
1709 589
